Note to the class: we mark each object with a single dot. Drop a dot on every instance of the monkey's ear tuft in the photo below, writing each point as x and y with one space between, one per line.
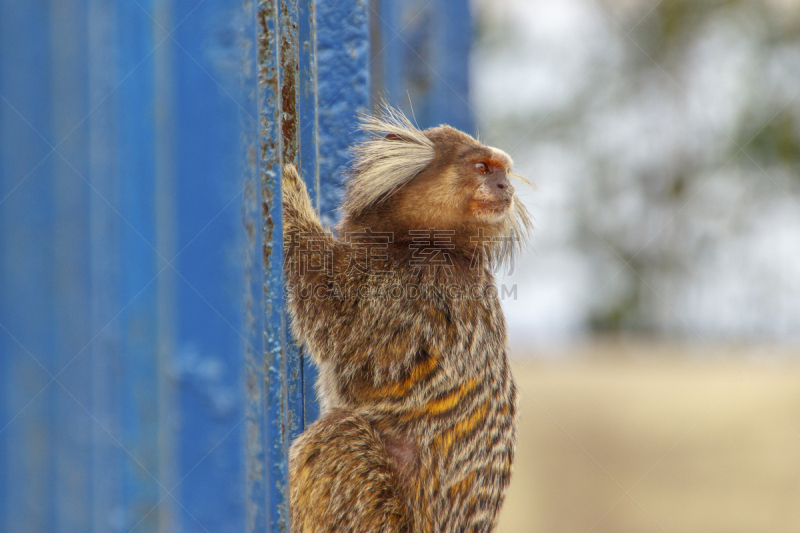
393 153
389 123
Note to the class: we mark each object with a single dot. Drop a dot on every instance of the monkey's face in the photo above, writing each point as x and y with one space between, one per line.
487 174
471 178
407 180
465 187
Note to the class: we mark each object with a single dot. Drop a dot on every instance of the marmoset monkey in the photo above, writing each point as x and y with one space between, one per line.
400 312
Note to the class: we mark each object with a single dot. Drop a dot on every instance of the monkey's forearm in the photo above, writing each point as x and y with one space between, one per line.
323 296
309 255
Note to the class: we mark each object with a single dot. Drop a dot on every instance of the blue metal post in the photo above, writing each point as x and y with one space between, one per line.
256 461
286 120
300 45
277 63
71 192
290 87
343 92
27 227
309 152
120 269
202 111
105 350
276 441
421 59
137 400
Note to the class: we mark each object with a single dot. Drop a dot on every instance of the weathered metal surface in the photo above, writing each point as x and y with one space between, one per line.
343 91
255 379
307 111
271 152
290 128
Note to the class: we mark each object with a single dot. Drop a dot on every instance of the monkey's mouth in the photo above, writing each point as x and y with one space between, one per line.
490 209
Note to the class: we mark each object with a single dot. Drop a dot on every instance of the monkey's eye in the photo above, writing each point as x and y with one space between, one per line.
483 168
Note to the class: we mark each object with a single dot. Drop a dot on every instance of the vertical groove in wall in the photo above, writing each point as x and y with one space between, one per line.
291 122
255 417
27 219
104 352
72 421
271 150
309 168
165 223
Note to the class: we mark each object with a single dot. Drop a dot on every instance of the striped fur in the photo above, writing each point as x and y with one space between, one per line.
417 432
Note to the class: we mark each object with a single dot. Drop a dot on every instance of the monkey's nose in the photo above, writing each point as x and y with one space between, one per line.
502 187
498 180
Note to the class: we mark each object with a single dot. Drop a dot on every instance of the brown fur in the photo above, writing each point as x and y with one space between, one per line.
417 431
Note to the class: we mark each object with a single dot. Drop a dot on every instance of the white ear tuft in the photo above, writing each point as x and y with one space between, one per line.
394 152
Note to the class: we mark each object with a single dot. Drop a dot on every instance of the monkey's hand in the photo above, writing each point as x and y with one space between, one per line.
298 213
305 241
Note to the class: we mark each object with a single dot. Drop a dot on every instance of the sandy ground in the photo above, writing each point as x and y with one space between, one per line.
653 438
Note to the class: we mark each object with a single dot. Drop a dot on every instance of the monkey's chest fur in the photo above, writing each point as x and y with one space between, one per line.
436 387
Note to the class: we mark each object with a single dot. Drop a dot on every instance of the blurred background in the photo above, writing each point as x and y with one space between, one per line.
656 325
665 139
654 317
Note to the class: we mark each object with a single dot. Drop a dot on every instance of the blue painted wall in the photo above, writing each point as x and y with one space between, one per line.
420 59
148 381
121 288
